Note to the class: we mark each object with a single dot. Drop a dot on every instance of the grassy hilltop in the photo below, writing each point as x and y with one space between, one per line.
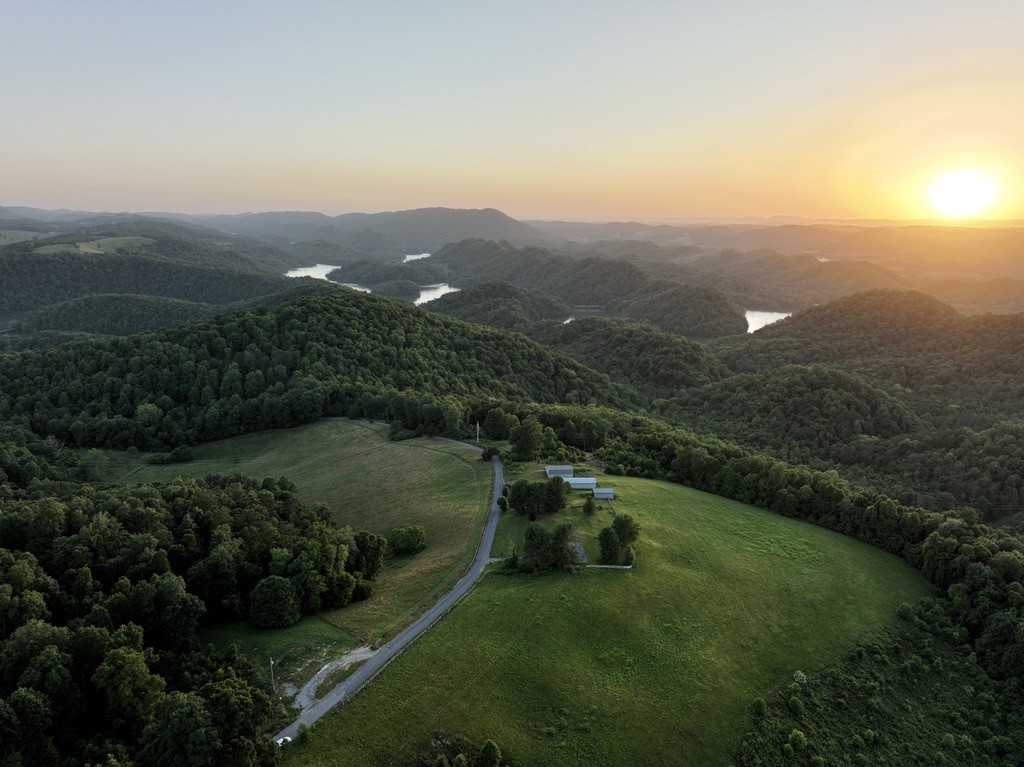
654 666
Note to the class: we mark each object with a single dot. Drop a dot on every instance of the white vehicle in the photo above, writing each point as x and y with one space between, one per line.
282 741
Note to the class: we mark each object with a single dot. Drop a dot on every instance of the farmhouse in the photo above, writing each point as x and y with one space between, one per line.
604 493
559 471
580 483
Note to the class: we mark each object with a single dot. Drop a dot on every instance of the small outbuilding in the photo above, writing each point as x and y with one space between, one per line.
559 471
580 483
604 493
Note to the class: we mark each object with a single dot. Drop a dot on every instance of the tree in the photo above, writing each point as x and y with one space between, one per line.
555 492
496 424
626 529
537 539
522 497
490 754
610 546
131 689
368 554
589 506
181 733
239 712
272 603
527 439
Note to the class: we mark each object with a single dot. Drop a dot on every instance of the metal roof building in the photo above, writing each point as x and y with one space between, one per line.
604 493
581 483
559 471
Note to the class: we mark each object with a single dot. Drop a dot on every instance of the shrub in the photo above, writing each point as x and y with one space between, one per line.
182 454
797 740
796 706
403 541
363 590
760 708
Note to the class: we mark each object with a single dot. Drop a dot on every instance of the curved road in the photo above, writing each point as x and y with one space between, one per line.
386 653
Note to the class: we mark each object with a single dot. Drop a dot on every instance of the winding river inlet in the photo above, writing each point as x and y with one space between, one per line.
755 320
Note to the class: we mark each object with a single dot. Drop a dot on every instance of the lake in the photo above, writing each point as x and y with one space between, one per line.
320 271
757 320
427 292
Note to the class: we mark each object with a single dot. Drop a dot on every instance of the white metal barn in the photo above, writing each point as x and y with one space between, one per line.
581 483
604 493
559 471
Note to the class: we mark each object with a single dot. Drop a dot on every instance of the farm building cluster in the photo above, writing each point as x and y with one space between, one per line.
568 475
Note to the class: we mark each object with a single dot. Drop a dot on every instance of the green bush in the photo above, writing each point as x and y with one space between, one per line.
403 541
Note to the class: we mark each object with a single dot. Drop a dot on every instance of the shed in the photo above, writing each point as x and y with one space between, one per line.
580 483
604 493
559 471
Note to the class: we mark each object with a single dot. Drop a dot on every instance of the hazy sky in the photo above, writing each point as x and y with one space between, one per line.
548 109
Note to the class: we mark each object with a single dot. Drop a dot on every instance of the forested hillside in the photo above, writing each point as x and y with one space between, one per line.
34 280
961 378
499 305
657 363
812 406
374 273
117 314
905 339
616 286
282 365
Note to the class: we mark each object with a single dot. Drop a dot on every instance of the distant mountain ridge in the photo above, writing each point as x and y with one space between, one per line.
405 231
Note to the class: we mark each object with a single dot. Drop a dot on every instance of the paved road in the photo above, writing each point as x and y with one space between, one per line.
385 654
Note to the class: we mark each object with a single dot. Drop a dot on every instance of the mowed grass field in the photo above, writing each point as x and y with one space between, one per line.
368 483
654 666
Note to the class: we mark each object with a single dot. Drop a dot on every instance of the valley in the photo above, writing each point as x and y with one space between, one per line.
198 418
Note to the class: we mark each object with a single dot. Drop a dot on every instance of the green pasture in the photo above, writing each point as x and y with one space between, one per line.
658 665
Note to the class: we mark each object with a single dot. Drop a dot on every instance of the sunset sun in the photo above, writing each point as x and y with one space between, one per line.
963 193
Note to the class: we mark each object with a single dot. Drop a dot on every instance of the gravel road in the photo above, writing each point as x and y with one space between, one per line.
387 652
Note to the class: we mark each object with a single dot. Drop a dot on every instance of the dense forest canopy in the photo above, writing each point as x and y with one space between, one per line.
277 366
34 280
375 273
613 285
500 305
103 590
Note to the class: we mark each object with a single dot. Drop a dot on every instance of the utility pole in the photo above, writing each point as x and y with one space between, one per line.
478 432
272 683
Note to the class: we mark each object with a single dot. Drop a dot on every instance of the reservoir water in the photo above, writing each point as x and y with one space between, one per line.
427 292
757 320
320 271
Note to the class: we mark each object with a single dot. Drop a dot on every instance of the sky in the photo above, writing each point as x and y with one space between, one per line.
584 110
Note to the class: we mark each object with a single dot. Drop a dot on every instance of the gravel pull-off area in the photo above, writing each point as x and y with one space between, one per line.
579 555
